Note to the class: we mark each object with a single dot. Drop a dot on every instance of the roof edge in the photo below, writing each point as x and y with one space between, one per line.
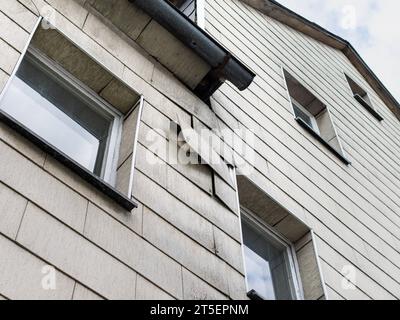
283 14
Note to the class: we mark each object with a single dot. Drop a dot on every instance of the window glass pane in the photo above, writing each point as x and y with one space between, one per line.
267 267
44 104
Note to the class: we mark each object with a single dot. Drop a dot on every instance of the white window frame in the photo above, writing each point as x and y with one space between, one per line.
249 216
201 13
110 160
308 113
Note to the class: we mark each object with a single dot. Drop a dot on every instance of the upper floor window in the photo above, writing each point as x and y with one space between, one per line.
313 115
279 251
269 261
305 115
187 7
362 97
56 107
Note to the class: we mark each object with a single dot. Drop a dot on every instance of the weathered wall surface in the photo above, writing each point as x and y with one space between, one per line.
180 243
354 210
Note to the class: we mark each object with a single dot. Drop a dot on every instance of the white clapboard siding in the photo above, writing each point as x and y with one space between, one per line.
359 204
292 59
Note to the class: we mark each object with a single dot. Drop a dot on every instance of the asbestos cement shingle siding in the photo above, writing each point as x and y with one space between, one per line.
353 210
182 242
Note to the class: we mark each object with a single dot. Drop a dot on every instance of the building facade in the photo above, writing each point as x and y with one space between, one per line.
203 149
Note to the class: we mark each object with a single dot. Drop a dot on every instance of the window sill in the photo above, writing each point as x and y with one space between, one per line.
85 174
321 140
368 107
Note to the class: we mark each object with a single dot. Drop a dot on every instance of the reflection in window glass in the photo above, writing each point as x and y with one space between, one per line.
47 106
267 267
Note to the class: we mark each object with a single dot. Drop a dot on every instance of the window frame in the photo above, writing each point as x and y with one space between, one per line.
308 113
368 105
342 154
201 13
98 105
250 217
101 185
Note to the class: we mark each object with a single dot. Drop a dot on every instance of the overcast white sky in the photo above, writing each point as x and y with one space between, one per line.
371 26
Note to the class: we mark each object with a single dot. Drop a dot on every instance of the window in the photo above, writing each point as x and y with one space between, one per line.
313 115
303 114
187 7
269 261
270 230
76 111
362 97
53 105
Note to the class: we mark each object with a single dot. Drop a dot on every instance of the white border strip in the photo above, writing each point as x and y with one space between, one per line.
239 213
321 275
201 13
134 151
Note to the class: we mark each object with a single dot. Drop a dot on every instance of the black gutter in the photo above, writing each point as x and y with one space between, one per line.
224 65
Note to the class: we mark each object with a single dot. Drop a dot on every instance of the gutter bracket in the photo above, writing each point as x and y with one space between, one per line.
224 66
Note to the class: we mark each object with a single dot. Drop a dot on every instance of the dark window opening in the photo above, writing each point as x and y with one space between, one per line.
313 115
363 98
